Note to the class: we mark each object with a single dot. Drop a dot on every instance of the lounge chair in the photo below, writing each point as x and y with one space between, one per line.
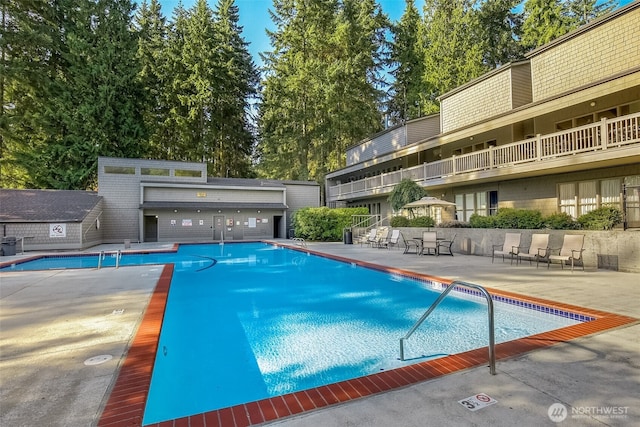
392 241
429 243
509 247
381 237
409 244
369 238
539 249
446 246
571 250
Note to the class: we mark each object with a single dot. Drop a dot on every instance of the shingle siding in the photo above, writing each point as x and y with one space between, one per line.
570 65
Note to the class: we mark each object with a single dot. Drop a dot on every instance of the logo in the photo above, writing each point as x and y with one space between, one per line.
557 412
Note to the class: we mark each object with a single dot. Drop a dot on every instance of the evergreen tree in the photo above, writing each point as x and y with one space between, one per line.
294 92
544 20
154 77
237 85
79 98
321 87
581 12
407 62
499 29
453 53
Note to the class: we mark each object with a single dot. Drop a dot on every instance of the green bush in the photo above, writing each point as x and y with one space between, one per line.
324 224
421 221
604 218
399 221
560 221
480 221
518 219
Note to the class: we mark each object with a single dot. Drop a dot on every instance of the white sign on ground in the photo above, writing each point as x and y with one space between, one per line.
477 401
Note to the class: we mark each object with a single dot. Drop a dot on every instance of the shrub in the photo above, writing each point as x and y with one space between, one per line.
421 221
560 221
480 221
604 218
324 224
399 221
518 218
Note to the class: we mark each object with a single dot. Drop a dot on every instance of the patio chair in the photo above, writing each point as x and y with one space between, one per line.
409 244
369 237
539 249
446 246
392 241
429 242
509 247
571 250
381 237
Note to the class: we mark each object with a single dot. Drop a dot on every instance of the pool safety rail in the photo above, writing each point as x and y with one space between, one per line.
103 254
443 295
299 241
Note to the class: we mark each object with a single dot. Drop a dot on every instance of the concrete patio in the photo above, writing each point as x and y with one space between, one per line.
52 322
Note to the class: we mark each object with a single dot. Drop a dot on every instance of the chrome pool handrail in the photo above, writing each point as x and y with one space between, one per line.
492 355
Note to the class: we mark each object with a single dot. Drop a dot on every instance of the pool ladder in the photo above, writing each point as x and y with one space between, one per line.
103 254
483 291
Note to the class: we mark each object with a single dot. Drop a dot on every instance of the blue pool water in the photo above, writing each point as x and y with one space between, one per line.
245 322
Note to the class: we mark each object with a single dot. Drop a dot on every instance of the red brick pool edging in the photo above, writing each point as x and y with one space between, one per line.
126 403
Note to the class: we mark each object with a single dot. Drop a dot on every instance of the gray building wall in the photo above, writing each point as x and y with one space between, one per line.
78 235
189 208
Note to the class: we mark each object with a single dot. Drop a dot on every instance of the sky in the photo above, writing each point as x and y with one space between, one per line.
254 18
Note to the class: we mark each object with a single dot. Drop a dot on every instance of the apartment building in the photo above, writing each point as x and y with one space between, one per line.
558 131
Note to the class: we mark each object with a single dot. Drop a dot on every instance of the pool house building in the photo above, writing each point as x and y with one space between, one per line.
558 131
142 200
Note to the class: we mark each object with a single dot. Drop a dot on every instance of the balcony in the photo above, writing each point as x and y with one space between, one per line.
609 139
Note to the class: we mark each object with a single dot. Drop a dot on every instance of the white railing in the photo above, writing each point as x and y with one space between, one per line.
609 133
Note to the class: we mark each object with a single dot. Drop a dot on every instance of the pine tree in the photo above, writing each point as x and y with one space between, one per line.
294 92
453 53
322 85
581 12
499 29
154 77
407 62
237 86
544 21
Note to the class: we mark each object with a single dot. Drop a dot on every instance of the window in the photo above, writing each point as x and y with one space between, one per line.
582 197
610 194
120 170
568 199
481 203
587 197
154 171
188 173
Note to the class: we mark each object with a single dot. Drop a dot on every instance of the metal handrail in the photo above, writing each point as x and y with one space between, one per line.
492 355
103 254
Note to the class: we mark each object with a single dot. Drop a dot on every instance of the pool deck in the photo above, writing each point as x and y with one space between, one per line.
51 322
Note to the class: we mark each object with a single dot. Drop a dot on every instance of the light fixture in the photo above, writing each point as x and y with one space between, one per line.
175 210
198 210
219 211
593 103
258 210
238 210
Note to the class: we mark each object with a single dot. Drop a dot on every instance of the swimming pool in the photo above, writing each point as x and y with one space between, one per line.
130 385
266 321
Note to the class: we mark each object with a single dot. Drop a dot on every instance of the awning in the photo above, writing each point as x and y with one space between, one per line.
212 205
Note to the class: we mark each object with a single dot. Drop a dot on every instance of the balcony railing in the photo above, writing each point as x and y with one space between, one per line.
609 133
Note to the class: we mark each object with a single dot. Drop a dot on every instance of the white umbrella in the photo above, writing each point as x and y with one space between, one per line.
426 202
